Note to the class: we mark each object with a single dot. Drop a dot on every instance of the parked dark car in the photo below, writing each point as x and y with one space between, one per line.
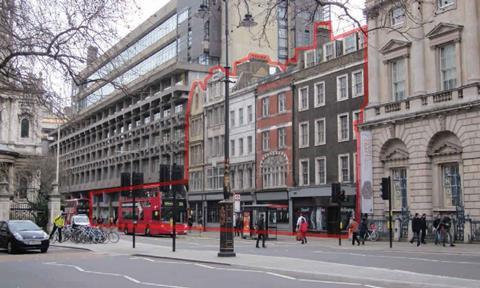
21 235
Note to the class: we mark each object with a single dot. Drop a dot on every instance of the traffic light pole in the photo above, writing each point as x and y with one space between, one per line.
339 223
390 213
174 222
134 205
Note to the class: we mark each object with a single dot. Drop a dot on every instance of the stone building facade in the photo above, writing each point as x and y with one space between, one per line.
423 115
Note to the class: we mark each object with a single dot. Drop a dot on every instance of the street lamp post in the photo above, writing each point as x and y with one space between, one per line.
226 206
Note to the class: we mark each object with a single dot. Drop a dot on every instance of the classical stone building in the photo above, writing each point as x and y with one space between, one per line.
423 116
24 128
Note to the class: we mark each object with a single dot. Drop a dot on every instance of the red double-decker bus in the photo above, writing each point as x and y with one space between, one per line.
154 212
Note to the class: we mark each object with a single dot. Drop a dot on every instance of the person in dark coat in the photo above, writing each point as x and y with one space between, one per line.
363 228
445 225
423 227
261 233
416 223
436 229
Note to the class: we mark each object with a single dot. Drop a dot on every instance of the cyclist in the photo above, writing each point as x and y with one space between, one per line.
58 223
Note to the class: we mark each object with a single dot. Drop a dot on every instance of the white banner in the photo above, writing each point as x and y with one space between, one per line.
366 174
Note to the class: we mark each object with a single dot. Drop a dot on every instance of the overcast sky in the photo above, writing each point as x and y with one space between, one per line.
146 8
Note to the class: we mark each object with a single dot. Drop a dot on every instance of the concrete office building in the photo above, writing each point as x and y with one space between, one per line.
423 115
155 63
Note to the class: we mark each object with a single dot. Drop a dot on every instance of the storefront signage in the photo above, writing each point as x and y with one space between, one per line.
366 172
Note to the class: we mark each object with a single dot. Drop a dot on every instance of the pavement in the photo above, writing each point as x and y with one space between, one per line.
321 258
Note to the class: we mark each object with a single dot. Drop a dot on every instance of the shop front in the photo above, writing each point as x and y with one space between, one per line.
280 198
314 203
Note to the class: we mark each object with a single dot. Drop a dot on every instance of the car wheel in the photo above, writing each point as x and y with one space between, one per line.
10 248
44 250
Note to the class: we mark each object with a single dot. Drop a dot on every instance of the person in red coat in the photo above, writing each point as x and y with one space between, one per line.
303 230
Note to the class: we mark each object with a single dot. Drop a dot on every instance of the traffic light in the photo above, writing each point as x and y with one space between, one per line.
336 187
385 188
342 196
137 178
125 179
177 174
164 176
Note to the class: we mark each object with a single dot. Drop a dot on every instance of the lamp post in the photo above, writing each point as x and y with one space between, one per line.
226 206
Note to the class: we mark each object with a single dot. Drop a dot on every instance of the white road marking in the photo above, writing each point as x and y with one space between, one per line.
281 276
332 282
251 271
205 266
129 278
401 257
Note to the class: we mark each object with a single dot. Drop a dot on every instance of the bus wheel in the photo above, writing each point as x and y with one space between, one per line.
125 231
147 232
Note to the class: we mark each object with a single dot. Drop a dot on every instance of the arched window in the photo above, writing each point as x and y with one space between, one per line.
274 170
24 128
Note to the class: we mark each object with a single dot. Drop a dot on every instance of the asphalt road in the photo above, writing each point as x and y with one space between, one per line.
445 262
75 268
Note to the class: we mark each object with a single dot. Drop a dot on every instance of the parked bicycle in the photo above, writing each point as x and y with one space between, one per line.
87 235
372 234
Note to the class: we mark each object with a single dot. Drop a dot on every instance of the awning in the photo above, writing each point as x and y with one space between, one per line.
320 191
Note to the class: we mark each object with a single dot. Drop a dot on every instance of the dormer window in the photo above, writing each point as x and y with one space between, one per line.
398 16
329 51
349 44
309 58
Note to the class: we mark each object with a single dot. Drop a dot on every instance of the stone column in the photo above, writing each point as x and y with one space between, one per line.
373 62
418 53
4 201
471 41
53 206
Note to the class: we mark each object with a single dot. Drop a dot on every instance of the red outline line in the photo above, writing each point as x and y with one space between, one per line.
202 85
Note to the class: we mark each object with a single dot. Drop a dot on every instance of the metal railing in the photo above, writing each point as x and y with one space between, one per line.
475 231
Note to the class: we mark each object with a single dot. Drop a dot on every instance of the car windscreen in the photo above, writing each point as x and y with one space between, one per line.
81 220
16 226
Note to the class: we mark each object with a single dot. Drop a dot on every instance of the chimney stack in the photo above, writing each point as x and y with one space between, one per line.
92 54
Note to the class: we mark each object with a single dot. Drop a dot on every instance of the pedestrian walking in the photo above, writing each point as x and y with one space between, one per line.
423 227
354 227
303 230
363 228
58 224
238 220
416 223
445 225
436 229
261 233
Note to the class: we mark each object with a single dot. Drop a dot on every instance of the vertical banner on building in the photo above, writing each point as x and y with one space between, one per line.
366 171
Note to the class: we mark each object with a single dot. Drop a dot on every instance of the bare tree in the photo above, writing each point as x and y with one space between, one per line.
346 13
43 42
